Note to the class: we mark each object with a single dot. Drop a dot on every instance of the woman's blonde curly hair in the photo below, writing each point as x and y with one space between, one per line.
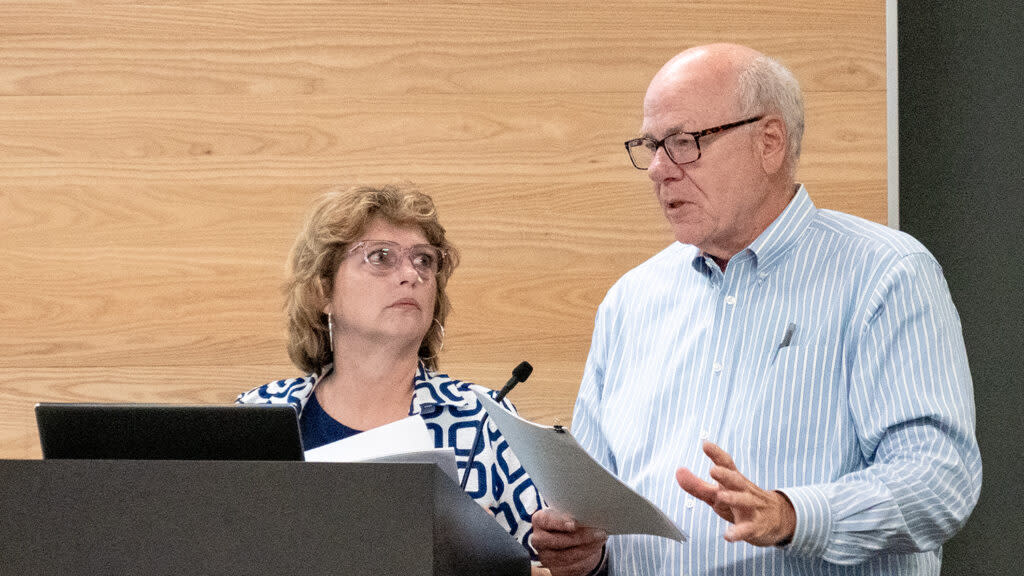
334 223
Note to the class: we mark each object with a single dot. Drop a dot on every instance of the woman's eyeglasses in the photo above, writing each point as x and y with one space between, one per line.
384 256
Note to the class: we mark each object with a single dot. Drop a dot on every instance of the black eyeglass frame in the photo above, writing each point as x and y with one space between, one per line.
637 142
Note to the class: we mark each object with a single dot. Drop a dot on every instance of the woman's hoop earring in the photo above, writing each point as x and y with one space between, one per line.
441 346
330 329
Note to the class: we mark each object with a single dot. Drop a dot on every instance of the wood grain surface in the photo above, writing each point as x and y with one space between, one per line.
156 159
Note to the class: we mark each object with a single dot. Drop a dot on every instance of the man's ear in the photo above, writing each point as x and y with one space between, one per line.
773 144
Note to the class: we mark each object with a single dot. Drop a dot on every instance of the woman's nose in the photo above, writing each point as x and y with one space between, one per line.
407 271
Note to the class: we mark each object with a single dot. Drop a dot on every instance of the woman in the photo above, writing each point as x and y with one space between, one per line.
366 305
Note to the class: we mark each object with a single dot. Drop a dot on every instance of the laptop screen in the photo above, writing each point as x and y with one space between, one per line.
169 432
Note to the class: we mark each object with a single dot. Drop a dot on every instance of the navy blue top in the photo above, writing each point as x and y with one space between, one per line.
318 428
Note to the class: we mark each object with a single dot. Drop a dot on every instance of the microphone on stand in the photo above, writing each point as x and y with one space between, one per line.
519 374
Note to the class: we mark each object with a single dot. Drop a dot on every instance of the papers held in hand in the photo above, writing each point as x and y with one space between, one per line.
570 480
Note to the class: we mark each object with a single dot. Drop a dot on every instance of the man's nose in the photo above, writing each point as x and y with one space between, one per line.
662 167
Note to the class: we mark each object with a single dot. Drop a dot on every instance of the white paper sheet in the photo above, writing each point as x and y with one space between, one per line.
443 457
570 480
405 435
403 441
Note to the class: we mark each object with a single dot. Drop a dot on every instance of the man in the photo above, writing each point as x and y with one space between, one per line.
800 371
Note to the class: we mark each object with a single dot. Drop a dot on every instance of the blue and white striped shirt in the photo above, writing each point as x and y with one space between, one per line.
865 420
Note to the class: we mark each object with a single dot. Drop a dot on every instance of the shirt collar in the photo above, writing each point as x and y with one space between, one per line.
773 243
431 391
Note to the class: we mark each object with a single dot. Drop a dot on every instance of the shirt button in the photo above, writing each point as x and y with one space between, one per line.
730 300
716 367
704 434
689 503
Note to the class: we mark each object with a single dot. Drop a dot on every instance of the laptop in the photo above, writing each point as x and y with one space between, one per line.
169 431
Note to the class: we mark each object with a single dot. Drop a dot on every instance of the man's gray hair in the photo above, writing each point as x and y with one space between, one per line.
768 87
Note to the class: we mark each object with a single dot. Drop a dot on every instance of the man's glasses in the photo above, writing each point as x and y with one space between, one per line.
384 256
681 147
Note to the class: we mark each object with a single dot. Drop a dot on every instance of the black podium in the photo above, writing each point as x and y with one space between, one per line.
156 517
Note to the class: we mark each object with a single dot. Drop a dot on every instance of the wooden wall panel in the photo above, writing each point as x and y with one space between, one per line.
156 160
417 47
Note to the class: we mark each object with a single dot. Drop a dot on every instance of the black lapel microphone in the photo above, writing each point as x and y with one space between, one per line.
519 374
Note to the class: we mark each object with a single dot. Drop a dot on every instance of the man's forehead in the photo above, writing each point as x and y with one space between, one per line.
687 98
665 116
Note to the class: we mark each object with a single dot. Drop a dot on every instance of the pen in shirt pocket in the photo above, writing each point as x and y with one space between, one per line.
787 338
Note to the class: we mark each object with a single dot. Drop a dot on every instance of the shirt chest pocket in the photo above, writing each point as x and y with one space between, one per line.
793 364
796 404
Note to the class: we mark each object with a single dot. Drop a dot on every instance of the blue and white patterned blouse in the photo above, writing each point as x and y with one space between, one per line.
452 414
